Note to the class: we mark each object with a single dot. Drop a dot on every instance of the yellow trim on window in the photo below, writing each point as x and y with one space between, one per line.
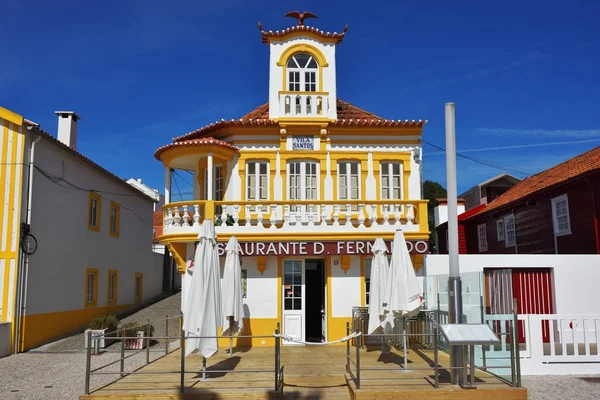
115 273
302 48
117 208
94 196
138 299
94 302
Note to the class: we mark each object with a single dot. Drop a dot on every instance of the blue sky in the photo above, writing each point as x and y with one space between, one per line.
521 73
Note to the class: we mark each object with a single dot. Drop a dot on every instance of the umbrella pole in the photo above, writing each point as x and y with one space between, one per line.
230 335
204 368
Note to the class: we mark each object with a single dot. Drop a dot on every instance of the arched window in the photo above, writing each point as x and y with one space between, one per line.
302 73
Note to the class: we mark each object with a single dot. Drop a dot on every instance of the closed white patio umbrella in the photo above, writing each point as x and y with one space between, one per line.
233 306
403 292
203 312
378 278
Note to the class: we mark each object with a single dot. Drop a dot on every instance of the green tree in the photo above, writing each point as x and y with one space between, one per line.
431 191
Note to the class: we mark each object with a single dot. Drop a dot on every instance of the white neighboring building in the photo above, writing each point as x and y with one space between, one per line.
91 254
154 193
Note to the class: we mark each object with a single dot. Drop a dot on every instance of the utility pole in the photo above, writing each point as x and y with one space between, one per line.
455 306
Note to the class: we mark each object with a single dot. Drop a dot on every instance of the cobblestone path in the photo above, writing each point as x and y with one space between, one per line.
56 371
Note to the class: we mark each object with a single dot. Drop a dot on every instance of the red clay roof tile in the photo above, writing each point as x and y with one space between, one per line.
347 115
195 142
570 169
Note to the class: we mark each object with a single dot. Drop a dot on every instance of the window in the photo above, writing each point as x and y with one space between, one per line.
91 287
292 285
500 230
482 234
257 181
302 73
348 180
302 181
94 208
115 215
138 291
560 215
217 183
390 183
509 231
111 294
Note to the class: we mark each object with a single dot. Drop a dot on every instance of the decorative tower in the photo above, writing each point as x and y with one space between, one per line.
302 78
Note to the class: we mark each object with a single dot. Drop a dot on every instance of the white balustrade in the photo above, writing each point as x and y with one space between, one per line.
323 215
196 215
297 217
303 104
186 216
273 217
259 216
361 216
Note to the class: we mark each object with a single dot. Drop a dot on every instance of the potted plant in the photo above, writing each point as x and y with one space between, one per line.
100 326
229 221
137 335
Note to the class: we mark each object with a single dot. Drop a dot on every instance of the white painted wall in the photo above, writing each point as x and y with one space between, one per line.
276 72
441 212
576 277
262 292
345 287
57 271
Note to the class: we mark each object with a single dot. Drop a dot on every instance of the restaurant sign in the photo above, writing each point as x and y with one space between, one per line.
318 248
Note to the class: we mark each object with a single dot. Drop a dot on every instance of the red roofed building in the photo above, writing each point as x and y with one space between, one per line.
554 211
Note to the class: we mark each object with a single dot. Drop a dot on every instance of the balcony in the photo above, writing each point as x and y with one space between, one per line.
303 104
297 217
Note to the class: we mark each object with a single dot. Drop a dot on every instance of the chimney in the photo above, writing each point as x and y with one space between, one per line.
441 210
67 128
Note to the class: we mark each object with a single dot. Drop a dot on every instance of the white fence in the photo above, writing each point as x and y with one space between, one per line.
551 344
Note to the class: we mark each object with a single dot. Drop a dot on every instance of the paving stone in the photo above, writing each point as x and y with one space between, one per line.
56 371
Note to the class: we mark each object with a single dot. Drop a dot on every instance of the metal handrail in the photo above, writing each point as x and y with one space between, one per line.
277 370
512 335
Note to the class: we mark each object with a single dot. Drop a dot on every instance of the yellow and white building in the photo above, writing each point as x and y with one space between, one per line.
306 182
75 240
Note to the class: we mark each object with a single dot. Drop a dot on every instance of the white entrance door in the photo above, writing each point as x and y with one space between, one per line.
293 300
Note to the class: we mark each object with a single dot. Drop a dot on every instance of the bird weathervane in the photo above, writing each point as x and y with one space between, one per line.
301 17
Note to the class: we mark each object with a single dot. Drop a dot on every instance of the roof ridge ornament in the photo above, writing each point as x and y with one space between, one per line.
301 17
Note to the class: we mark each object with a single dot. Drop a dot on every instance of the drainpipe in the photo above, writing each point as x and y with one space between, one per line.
23 271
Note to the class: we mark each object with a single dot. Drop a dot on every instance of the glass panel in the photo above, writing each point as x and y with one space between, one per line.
302 59
263 168
292 63
288 304
312 63
396 169
251 168
343 188
297 291
384 169
342 168
354 168
90 288
297 304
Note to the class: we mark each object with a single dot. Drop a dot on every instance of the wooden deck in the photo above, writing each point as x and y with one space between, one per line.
315 372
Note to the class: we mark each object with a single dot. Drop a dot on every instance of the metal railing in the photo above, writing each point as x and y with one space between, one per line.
430 338
94 338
